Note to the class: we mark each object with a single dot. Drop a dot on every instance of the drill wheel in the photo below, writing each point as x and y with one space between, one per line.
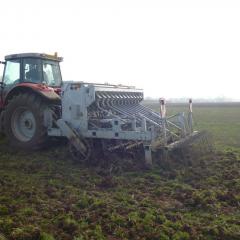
80 157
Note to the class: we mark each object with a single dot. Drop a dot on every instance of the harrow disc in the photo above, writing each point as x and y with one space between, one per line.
120 156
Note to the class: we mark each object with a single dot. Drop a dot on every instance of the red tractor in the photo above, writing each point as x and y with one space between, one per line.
31 84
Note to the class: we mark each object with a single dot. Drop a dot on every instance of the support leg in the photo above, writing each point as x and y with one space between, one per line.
148 156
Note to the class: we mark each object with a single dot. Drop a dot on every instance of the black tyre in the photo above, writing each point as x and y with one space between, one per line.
1 122
24 121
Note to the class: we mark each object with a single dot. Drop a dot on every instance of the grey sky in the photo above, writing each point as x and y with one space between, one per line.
169 48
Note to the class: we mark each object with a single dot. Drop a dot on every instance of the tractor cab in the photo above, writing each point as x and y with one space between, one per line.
30 71
32 68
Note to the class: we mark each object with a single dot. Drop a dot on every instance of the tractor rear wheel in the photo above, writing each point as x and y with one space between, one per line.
24 121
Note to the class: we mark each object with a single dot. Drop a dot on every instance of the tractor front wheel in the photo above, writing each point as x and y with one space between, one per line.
24 121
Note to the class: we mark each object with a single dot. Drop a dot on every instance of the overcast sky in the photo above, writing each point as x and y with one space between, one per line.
169 48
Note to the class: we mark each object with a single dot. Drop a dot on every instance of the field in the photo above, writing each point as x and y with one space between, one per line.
45 196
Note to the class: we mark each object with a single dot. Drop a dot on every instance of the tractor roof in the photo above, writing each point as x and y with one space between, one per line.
34 55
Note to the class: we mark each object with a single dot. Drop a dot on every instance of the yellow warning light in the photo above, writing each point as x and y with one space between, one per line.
52 57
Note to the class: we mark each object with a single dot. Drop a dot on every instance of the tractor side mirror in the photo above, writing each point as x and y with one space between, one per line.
1 77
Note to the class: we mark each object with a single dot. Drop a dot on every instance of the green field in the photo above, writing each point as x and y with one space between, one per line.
43 195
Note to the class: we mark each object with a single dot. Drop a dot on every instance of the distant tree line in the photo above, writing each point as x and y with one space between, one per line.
196 100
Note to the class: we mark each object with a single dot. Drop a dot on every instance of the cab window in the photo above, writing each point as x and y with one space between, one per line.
12 72
32 70
51 73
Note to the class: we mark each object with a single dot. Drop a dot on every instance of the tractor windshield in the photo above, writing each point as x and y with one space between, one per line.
51 73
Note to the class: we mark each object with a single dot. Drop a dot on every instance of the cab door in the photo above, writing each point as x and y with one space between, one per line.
11 77
2 64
